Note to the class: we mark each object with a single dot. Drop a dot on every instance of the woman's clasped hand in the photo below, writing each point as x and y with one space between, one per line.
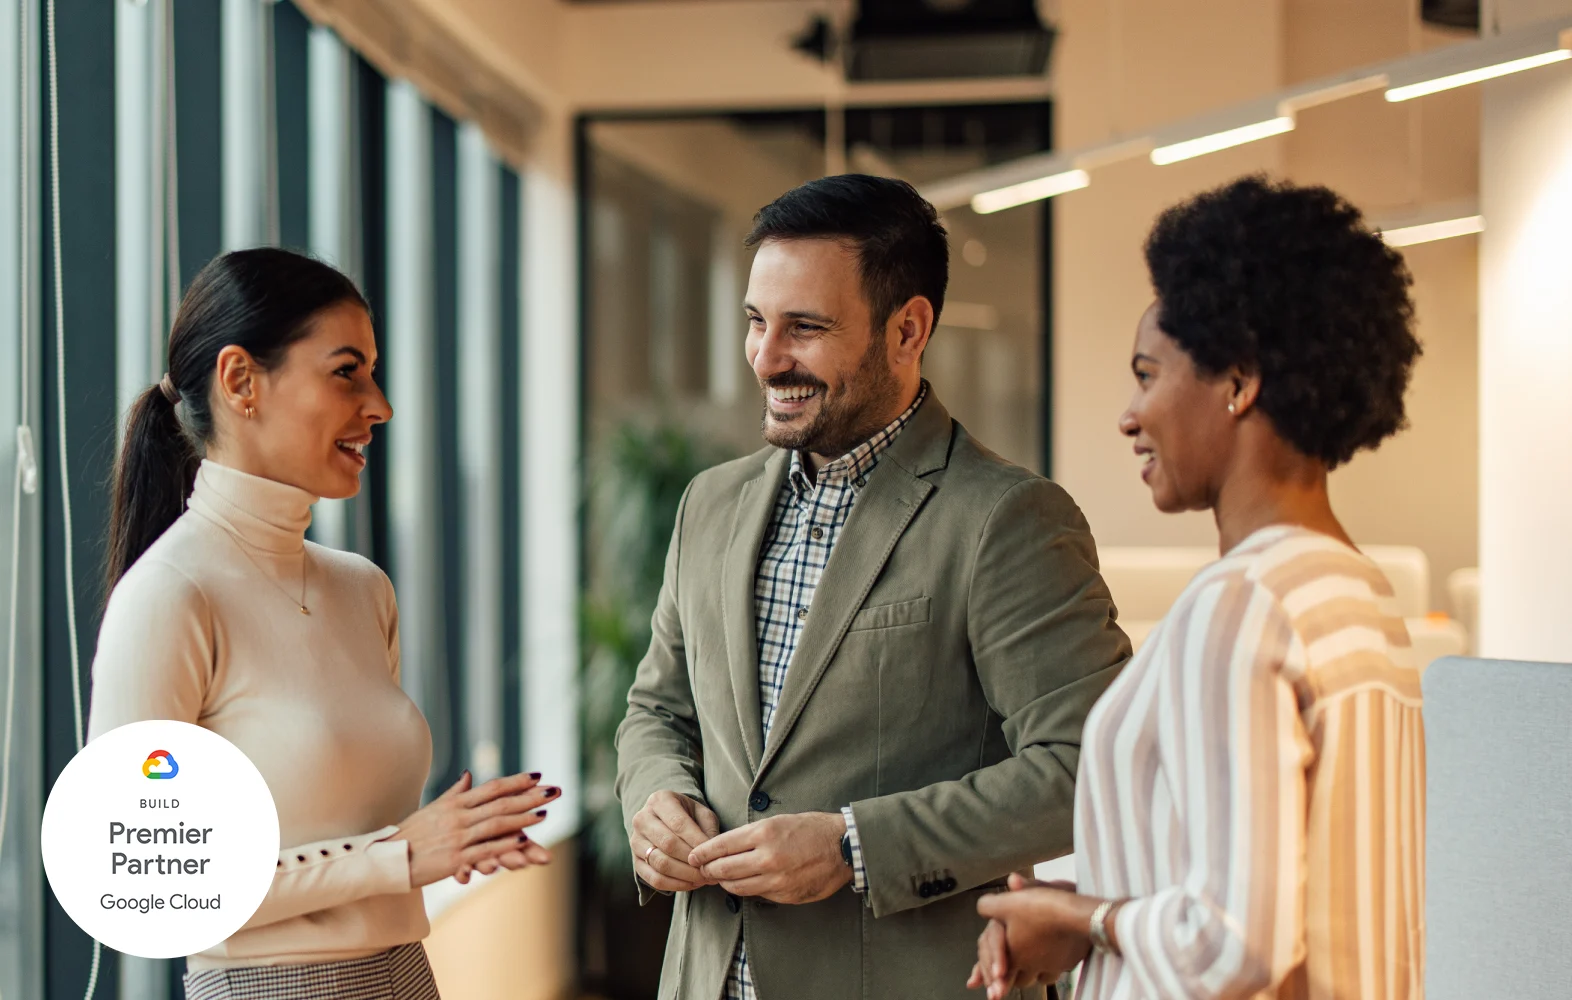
1036 932
482 829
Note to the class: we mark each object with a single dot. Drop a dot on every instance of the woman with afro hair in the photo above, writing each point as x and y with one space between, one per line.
1250 800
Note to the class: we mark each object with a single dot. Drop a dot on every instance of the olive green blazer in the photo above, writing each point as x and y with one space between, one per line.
958 638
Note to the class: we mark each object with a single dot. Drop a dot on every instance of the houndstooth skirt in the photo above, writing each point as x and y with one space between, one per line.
400 973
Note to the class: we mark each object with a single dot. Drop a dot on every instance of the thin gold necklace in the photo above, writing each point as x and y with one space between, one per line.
301 604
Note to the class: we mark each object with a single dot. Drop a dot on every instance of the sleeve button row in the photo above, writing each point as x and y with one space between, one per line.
325 852
937 886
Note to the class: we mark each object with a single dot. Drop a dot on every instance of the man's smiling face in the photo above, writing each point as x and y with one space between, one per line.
824 369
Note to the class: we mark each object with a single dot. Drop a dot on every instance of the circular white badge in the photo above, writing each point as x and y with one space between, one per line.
160 839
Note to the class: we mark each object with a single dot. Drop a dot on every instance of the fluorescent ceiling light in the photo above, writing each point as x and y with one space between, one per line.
1424 87
1000 199
1431 231
1164 155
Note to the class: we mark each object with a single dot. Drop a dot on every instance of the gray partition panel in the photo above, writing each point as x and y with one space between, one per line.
1498 882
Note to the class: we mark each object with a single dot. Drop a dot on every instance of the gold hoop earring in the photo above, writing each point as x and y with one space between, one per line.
251 412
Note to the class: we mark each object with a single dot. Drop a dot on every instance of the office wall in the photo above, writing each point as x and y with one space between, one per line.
1126 63
1525 285
1123 65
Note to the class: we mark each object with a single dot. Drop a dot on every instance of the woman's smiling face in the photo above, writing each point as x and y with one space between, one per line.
315 411
1178 419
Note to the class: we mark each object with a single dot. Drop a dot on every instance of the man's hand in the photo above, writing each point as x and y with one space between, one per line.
1035 934
794 858
665 832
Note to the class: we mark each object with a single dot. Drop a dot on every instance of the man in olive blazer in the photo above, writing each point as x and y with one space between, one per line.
929 723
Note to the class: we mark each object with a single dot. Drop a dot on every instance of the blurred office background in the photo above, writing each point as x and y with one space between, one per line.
544 202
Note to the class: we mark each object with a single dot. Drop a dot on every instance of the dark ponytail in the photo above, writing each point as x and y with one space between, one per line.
262 300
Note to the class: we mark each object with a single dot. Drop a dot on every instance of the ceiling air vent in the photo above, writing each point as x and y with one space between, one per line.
947 39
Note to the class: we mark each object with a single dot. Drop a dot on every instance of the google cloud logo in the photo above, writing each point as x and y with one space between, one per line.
160 764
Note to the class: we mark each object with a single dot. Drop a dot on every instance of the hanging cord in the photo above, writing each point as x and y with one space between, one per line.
60 379
171 182
60 401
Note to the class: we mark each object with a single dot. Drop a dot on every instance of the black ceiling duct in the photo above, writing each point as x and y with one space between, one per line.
1451 13
946 39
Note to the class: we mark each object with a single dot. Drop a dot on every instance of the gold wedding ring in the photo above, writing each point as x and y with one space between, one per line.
648 853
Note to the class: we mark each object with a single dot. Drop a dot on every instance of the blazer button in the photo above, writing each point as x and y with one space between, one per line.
926 890
732 903
950 884
759 801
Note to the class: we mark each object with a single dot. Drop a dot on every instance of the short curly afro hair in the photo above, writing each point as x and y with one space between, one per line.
1289 283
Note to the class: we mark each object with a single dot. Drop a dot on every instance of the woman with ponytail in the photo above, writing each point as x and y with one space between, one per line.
221 614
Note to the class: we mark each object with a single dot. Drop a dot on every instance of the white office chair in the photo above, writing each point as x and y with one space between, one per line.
1462 589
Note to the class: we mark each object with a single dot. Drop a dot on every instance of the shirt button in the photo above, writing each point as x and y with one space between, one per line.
817 532
802 613
859 482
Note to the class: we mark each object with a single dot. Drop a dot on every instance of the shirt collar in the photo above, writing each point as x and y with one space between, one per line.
854 466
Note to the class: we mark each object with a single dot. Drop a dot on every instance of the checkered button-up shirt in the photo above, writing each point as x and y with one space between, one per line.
808 517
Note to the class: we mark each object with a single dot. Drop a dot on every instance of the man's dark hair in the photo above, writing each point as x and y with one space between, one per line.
902 248
1289 283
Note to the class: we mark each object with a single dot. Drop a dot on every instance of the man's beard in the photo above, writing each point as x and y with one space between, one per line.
847 418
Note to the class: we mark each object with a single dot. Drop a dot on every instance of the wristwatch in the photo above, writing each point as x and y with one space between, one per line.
846 852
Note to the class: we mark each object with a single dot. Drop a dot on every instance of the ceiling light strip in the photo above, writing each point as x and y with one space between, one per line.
1413 90
1000 199
1431 231
1191 148
1524 48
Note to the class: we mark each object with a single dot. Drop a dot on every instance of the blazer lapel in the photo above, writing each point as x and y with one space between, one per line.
755 504
885 508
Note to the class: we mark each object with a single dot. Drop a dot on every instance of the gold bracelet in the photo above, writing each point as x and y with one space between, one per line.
1098 930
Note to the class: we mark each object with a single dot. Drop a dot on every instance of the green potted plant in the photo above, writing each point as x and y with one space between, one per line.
637 478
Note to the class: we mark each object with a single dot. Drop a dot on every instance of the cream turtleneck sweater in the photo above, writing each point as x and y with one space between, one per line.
206 628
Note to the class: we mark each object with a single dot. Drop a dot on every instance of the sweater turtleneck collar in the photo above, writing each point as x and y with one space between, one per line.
263 513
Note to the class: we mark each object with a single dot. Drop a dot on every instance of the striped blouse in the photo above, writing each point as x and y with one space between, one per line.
1253 783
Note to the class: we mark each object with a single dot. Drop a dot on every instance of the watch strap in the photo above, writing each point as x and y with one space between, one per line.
1098 928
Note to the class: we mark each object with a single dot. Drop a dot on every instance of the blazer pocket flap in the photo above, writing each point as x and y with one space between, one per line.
913 612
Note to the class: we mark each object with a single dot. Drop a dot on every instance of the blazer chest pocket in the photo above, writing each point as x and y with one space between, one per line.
913 612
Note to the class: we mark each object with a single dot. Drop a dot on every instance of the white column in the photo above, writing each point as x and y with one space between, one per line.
413 502
333 235
22 904
330 130
1525 353
550 441
245 26
139 252
480 444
